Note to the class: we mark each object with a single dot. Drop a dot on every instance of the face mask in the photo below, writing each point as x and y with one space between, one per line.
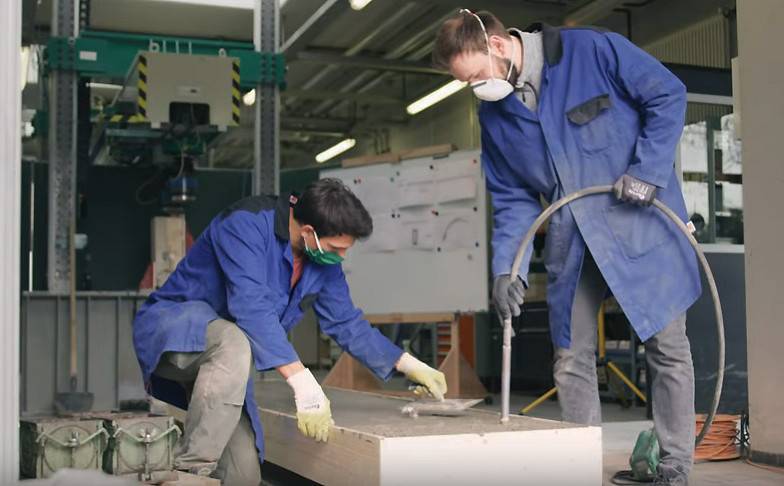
320 256
493 89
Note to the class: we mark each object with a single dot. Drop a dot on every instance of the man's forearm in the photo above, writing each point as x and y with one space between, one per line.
290 369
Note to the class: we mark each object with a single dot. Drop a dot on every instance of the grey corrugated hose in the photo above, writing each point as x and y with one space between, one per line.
507 344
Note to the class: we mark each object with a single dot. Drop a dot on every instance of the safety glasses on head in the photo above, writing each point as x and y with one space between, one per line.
491 89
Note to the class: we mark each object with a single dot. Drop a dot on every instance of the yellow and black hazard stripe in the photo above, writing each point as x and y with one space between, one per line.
127 119
236 95
142 87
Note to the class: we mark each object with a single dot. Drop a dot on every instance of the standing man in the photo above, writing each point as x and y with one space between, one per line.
565 109
227 309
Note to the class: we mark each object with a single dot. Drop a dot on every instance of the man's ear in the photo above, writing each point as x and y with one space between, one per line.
498 45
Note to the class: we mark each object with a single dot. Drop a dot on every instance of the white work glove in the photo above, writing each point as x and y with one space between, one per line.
314 417
432 381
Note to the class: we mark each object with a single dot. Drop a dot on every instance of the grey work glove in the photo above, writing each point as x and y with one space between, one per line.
508 296
632 190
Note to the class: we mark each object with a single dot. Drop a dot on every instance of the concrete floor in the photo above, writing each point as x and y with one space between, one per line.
619 433
619 430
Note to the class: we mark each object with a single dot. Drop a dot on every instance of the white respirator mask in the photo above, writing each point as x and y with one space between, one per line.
492 89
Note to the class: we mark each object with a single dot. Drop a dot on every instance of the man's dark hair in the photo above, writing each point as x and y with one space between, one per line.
462 34
332 209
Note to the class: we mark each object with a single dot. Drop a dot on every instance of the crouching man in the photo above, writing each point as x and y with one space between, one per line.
227 309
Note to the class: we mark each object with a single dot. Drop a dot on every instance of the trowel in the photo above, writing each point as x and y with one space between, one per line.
450 407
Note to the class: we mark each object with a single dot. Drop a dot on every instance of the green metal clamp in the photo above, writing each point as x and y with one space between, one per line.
72 444
146 439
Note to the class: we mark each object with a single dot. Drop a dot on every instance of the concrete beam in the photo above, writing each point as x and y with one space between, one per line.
760 78
373 444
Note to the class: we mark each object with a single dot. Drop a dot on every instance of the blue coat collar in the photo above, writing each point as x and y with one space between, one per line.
282 205
551 39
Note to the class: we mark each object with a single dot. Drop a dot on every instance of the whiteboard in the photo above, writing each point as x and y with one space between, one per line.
428 251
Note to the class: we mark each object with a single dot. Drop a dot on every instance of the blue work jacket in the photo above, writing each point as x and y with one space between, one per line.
240 269
606 108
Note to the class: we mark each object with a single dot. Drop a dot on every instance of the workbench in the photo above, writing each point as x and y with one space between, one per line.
372 443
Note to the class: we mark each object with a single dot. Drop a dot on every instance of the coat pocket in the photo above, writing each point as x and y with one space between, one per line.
637 230
592 122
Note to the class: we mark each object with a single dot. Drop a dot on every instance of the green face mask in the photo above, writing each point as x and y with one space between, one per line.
320 256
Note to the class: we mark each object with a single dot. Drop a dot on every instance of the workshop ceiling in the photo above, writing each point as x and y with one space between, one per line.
354 71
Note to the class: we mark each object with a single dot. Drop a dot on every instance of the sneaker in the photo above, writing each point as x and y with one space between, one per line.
676 481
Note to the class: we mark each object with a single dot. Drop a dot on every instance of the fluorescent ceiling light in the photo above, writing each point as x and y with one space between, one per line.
113 87
335 150
249 98
359 4
431 99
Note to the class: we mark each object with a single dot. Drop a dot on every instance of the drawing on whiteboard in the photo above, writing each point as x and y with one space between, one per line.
415 194
434 209
416 186
377 193
458 230
458 168
456 189
417 230
384 237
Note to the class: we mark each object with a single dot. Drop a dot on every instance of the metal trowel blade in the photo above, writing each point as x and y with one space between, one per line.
449 407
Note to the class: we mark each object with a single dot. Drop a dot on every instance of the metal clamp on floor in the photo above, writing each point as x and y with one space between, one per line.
73 443
146 439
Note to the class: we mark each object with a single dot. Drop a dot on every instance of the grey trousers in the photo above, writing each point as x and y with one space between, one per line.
670 370
218 434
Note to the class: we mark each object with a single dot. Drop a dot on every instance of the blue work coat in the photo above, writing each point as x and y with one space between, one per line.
240 269
606 108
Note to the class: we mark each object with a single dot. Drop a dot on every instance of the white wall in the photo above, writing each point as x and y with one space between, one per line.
762 106
10 182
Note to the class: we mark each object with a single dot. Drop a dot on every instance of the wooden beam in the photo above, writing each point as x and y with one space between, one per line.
385 158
